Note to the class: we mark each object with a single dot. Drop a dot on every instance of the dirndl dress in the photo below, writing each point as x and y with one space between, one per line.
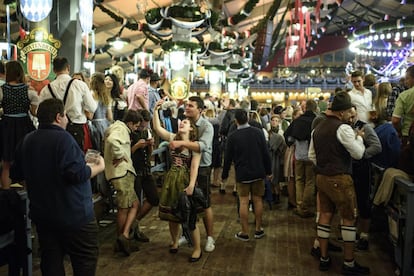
175 181
98 125
16 122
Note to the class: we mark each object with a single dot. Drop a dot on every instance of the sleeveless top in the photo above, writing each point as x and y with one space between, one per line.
15 99
180 159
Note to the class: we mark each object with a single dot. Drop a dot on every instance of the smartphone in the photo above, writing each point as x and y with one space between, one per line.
359 125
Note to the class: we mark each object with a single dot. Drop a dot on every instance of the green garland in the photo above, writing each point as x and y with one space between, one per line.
236 66
169 45
187 13
242 15
215 67
215 46
131 24
248 8
153 16
277 38
270 15
13 16
238 51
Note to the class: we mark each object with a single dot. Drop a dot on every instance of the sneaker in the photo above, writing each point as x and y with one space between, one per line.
259 234
357 269
140 236
316 252
362 244
210 244
182 241
242 237
324 265
222 191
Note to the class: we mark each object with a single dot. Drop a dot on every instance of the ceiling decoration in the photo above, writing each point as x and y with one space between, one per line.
392 39
235 23
305 27
36 10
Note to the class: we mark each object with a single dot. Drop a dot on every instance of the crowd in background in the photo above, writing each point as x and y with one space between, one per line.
125 124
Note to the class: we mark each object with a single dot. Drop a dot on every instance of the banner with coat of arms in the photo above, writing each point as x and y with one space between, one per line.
37 51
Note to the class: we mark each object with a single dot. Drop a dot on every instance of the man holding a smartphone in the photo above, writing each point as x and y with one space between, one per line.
142 143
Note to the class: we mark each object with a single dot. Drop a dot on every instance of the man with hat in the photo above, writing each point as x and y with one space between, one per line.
154 96
333 145
138 92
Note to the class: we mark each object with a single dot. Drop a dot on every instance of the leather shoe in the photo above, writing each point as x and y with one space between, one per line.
123 244
193 260
173 250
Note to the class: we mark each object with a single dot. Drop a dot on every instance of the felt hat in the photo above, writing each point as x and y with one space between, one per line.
341 101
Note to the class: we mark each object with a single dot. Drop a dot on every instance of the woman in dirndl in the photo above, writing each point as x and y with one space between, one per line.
17 99
180 177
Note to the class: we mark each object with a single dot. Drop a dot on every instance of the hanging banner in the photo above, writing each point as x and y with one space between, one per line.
86 15
36 10
37 51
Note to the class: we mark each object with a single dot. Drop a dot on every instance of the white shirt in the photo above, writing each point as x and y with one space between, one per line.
362 101
78 100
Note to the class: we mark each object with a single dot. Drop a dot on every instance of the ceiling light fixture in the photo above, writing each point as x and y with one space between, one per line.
118 42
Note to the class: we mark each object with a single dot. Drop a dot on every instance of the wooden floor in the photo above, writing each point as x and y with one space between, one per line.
285 250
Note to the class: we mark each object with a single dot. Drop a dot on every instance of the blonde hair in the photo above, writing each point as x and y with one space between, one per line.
210 113
253 115
118 71
98 86
384 90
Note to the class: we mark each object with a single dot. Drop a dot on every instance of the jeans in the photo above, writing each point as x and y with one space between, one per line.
80 244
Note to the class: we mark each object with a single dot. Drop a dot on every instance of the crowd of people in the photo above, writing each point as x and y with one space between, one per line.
318 152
